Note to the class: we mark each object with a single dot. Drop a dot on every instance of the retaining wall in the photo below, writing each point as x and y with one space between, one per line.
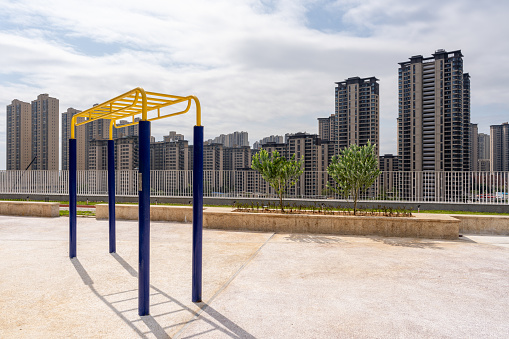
30 208
483 224
157 213
432 226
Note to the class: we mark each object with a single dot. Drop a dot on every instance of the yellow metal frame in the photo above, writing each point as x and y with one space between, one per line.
132 103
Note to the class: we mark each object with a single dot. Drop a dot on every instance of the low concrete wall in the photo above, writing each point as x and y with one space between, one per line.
483 224
30 208
157 213
421 226
432 226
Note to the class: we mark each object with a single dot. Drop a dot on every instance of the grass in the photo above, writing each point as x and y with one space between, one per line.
177 204
83 213
461 212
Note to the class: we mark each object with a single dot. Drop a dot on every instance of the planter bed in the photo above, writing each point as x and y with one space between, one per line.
420 225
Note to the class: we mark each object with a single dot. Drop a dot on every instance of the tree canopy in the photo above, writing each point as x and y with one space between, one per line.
278 171
354 170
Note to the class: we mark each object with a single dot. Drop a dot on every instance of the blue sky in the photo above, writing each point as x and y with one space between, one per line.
265 67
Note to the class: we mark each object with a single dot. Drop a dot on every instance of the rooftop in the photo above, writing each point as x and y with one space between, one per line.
263 285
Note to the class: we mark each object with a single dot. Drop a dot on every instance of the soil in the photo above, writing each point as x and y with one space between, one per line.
321 212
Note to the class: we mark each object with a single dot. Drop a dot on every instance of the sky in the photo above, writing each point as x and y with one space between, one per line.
261 66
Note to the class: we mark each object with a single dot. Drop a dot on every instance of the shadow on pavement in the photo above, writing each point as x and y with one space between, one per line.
408 242
311 238
221 323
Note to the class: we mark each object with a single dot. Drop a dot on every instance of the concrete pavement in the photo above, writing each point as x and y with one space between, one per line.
256 285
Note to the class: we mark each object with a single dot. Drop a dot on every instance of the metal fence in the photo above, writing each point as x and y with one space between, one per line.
428 186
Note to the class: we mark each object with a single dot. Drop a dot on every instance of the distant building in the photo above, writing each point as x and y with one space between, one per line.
128 131
326 128
82 143
235 139
357 114
169 155
32 134
126 154
474 148
19 135
434 113
484 165
483 146
389 167
173 136
499 152
278 139
483 152
235 158
389 162
434 122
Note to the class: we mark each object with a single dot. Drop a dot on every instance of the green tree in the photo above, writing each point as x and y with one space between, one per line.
354 171
278 171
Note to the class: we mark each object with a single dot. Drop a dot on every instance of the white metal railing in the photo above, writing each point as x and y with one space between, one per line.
427 186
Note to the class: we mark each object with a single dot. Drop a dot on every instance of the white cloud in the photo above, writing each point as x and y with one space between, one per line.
258 66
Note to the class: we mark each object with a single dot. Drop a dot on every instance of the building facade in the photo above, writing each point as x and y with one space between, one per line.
483 152
499 151
169 155
474 147
82 143
273 138
434 113
32 134
235 139
433 120
19 135
356 119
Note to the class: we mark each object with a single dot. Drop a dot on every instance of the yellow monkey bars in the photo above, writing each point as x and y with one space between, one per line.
132 103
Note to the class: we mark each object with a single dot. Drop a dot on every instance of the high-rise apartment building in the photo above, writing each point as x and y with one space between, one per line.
273 138
235 158
357 114
388 179
45 118
434 113
483 152
169 154
82 143
483 146
128 131
326 128
32 134
433 119
499 152
235 139
474 148
19 135
173 136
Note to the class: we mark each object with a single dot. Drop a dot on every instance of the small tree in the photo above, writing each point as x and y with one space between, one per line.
354 170
277 171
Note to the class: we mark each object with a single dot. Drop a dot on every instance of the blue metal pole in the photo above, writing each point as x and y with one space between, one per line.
111 194
197 212
72 198
144 218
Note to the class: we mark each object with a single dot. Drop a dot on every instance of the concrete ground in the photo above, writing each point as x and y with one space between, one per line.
255 285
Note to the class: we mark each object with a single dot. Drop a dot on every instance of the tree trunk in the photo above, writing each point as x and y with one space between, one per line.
355 197
281 198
